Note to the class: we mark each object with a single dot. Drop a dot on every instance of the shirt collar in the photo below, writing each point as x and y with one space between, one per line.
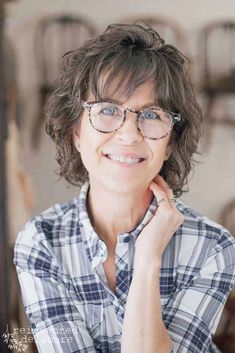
96 247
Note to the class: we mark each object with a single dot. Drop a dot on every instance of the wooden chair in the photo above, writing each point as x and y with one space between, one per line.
217 47
55 35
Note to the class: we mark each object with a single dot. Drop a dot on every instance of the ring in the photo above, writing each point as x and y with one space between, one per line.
161 200
170 200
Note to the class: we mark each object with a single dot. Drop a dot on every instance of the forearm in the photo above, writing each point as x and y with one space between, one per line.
143 328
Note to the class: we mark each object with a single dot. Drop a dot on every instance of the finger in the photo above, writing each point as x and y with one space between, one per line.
163 184
161 181
166 192
159 193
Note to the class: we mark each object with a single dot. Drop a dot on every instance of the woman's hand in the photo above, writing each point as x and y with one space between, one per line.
155 236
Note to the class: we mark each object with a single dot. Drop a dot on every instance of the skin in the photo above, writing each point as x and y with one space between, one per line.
120 188
143 328
116 190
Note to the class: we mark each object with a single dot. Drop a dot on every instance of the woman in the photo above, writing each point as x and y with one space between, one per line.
124 267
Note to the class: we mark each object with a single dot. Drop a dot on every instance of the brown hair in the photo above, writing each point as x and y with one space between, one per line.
126 55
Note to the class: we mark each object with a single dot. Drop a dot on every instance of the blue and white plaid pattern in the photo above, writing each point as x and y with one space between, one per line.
70 307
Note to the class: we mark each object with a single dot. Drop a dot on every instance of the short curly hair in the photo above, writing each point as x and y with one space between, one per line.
122 58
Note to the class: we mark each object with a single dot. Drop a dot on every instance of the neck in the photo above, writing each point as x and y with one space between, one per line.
113 212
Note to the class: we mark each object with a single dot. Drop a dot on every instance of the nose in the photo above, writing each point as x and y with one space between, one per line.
129 133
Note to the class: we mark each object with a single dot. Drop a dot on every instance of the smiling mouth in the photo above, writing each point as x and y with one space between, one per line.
122 159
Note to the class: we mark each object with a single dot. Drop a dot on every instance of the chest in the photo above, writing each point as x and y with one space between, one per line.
110 272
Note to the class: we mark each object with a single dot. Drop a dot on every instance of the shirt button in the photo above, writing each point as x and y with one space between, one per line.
127 239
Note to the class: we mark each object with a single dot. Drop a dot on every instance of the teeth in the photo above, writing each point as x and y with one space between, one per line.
124 159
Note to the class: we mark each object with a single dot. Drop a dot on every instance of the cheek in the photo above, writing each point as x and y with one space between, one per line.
90 148
159 150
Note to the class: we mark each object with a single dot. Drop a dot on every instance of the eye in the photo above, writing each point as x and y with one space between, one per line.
111 110
150 115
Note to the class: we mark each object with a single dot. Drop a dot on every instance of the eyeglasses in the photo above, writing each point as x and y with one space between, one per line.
153 123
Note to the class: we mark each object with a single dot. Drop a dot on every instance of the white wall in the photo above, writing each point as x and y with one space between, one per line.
212 184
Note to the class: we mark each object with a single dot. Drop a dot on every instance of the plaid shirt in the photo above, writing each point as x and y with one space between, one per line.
70 307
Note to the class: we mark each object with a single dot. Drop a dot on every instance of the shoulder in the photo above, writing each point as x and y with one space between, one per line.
52 223
199 225
43 236
199 238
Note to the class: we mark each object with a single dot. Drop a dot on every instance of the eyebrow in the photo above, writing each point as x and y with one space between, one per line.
147 105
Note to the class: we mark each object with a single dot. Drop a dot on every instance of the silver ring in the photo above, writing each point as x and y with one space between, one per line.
170 200
161 200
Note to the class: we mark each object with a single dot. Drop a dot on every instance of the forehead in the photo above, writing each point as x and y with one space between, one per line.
114 91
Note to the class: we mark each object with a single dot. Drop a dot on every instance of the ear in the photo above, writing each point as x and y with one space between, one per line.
168 151
76 140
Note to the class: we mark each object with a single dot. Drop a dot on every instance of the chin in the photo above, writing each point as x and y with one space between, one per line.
120 182
127 186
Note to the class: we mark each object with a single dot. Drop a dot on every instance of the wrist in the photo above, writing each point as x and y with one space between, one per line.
146 267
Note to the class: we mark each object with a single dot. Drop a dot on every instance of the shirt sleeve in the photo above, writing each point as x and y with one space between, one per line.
192 314
55 316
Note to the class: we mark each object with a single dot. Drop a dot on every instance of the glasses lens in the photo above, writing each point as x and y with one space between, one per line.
154 123
106 117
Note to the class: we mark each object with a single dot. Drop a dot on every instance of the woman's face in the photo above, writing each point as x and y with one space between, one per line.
98 150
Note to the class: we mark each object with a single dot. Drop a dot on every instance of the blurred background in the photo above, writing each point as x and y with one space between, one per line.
33 37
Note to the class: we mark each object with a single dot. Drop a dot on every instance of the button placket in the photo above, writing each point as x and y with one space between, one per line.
122 268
